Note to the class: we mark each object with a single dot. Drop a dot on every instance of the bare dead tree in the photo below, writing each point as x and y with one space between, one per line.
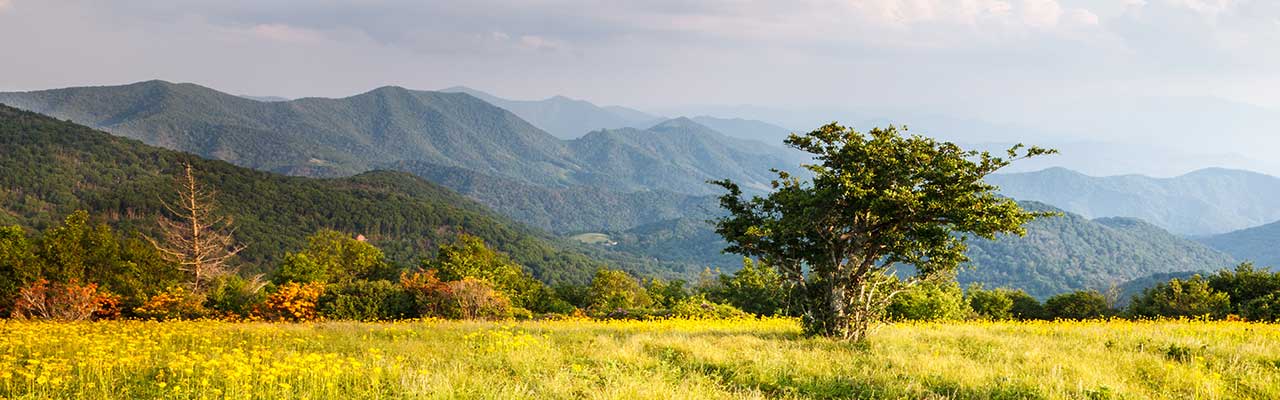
199 240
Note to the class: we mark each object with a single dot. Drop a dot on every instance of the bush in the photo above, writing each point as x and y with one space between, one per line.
614 290
292 302
1024 307
1265 308
173 303
63 302
1244 286
1084 304
990 304
472 298
1181 298
928 301
698 307
430 296
234 296
757 288
366 301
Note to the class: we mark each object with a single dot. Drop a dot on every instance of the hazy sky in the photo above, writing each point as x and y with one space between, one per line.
1022 62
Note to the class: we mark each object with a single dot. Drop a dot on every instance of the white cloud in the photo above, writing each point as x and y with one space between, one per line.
285 33
5 4
539 43
1041 13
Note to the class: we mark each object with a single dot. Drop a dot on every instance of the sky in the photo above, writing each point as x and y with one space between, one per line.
1192 75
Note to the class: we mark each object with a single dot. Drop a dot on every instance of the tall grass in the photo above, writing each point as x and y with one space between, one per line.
656 359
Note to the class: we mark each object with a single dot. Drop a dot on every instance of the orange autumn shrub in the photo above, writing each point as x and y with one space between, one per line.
171 304
292 302
430 294
70 301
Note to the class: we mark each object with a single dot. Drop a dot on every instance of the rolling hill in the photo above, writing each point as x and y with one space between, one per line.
1260 244
54 167
1203 202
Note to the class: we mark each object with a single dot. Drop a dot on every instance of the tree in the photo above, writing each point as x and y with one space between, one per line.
1245 286
756 288
469 257
1181 298
200 242
1023 306
989 304
334 257
614 290
1083 304
933 300
17 265
875 201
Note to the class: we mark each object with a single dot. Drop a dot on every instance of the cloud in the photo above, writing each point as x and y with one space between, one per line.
5 4
285 33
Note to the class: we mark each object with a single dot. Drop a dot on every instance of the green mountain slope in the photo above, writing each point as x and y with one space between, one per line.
1072 252
315 136
1057 255
1204 202
564 117
53 167
566 210
339 137
748 129
681 155
1259 244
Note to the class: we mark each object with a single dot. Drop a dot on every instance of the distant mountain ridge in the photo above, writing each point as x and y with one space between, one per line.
1260 244
1208 201
564 117
338 137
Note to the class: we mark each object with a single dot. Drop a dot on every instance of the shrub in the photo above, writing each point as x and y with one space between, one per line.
63 302
1265 308
928 301
1181 298
614 289
698 307
989 304
757 288
472 298
665 293
366 301
292 302
1084 304
430 296
173 303
17 265
1244 285
234 296
1023 306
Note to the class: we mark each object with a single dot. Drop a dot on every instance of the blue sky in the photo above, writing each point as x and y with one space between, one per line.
1067 68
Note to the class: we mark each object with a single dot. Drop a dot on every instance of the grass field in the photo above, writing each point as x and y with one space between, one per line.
659 359
591 238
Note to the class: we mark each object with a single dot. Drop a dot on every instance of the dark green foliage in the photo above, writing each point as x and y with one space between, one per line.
756 288
470 258
53 168
576 295
233 295
18 265
1260 244
363 300
989 304
1181 298
616 290
876 200
698 307
332 256
1070 252
666 294
1254 293
1024 307
929 301
1080 305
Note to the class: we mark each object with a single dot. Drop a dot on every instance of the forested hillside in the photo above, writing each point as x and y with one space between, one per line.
1258 244
53 168
1208 201
338 137
1071 252
566 210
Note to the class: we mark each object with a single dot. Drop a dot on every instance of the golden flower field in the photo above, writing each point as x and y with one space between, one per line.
637 359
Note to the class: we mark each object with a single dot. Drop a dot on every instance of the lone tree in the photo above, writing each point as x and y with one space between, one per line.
876 200
199 241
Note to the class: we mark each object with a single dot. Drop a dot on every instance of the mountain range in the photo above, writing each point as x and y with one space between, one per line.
1204 202
564 117
54 167
338 137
